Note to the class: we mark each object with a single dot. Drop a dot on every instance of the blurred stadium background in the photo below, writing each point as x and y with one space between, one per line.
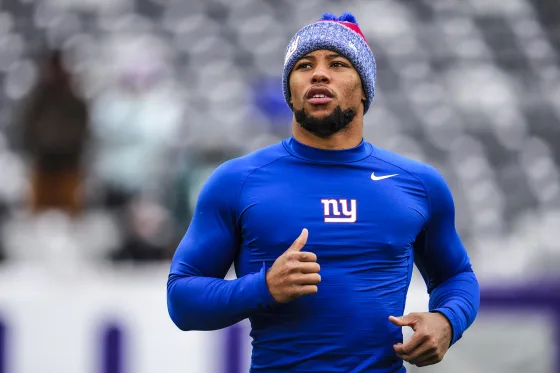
114 112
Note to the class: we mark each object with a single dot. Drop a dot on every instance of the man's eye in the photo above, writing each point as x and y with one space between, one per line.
303 65
338 64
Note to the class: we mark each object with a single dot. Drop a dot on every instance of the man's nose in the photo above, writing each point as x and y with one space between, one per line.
320 76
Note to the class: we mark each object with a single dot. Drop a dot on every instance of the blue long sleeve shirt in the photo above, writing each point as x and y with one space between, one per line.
371 214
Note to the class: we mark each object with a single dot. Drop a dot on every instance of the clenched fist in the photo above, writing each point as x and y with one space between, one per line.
295 273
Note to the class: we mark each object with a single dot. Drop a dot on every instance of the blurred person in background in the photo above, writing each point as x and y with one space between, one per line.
332 300
56 223
136 122
55 132
137 115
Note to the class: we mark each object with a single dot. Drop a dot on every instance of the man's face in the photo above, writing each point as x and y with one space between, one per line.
326 92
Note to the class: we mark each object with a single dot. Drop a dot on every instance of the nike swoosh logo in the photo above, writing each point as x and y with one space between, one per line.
377 178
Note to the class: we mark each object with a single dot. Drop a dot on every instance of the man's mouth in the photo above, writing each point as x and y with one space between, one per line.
319 96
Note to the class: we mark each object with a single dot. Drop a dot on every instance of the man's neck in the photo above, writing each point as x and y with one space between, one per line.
345 139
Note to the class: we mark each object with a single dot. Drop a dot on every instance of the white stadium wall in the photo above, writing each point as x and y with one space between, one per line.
58 323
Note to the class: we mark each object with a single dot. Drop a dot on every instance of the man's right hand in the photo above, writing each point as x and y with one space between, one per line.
295 273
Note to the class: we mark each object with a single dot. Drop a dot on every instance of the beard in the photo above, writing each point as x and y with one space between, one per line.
327 126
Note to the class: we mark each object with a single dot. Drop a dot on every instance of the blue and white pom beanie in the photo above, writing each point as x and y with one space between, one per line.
340 34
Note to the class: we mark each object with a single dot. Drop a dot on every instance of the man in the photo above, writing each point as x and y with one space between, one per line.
55 134
324 229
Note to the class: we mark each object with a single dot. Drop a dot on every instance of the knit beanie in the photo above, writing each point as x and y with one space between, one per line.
340 34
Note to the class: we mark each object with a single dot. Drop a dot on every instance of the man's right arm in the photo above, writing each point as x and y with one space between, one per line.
198 297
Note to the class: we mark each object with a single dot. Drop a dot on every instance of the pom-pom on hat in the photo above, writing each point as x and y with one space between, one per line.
340 34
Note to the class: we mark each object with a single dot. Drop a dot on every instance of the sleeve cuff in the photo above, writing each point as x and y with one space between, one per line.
267 300
448 313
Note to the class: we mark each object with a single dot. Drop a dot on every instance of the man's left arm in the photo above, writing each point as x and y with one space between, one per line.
452 285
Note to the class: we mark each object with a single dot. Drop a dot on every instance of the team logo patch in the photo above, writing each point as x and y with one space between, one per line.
338 211
291 49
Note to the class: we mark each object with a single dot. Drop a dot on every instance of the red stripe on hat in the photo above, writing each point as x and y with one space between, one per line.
355 28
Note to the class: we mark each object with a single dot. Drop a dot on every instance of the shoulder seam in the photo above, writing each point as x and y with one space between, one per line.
247 177
417 178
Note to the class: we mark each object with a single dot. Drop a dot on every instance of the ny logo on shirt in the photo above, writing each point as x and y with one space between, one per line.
332 210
